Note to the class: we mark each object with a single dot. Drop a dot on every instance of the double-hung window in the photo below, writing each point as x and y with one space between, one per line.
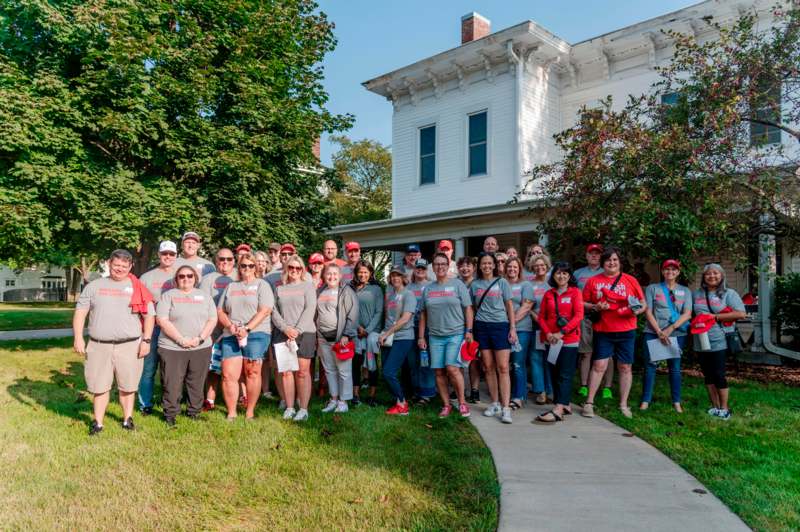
478 144
767 108
427 155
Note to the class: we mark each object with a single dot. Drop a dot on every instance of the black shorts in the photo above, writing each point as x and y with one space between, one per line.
490 335
306 343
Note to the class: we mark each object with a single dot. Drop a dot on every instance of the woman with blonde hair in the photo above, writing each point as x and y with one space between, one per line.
540 266
293 317
263 264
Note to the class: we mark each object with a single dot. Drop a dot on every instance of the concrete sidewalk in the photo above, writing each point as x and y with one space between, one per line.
584 474
35 335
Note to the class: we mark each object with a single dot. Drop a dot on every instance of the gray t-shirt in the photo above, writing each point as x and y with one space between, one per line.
659 305
416 289
539 288
202 266
274 279
521 291
346 274
327 301
396 305
717 333
241 302
295 305
370 307
158 281
215 285
584 274
493 308
110 315
444 306
188 312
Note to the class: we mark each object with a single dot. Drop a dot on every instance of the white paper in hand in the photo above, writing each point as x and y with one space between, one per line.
539 345
555 349
287 360
659 351
292 345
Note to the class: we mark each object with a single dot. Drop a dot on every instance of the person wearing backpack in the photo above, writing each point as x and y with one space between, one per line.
669 310
715 298
616 300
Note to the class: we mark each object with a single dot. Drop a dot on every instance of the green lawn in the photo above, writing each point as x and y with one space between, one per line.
751 462
359 470
46 315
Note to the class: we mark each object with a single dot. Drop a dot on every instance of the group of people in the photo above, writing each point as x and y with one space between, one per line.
437 328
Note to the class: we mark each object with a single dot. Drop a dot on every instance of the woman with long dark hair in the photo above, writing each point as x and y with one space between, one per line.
370 318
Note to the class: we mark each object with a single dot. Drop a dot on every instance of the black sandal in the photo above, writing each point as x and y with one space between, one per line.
542 418
515 404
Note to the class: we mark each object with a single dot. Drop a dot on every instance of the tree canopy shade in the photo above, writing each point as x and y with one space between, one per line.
688 168
362 181
124 122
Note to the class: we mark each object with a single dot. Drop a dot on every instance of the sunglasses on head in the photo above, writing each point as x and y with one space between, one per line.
185 276
247 266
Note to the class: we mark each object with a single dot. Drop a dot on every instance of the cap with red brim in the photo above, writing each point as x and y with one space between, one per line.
344 352
702 323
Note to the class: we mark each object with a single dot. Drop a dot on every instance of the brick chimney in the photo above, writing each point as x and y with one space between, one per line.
474 27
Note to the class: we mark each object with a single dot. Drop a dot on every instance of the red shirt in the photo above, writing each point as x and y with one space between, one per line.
616 319
570 306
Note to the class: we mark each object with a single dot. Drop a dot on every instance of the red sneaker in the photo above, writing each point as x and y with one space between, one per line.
207 405
445 411
398 410
463 409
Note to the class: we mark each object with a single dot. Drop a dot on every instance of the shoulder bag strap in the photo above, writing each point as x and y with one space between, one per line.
672 308
485 293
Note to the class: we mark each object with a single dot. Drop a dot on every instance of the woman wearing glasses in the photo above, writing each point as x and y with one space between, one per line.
495 332
669 309
244 309
540 371
522 292
295 305
187 317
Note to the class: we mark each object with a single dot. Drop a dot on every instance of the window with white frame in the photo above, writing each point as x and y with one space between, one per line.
478 155
768 110
427 155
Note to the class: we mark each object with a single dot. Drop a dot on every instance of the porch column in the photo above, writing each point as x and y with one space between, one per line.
459 248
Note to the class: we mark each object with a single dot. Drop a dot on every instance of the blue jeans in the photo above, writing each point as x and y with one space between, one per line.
422 379
674 365
519 370
445 350
540 373
391 366
148 380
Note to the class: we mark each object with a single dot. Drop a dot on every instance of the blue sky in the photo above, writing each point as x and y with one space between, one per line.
378 36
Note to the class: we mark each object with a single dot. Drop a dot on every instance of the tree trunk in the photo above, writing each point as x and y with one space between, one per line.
141 260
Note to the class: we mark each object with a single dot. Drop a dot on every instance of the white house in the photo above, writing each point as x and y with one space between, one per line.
469 121
38 283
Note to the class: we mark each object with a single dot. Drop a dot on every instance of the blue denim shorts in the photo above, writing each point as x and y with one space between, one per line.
445 350
619 345
216 358
257 343
491 335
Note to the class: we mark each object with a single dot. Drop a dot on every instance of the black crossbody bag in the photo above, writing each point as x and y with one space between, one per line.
732 339
594 314
480 301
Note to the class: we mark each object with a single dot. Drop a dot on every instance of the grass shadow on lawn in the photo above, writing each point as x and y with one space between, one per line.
418 472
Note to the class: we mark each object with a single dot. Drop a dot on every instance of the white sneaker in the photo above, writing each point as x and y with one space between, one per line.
267 395
713 411
493 410
341 407
288 413
724 414
506 415
301 415
282 405
331 406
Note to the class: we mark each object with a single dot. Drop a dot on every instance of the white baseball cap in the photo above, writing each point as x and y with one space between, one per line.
190 234
167 245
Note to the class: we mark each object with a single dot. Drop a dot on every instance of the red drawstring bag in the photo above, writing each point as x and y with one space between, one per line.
344 352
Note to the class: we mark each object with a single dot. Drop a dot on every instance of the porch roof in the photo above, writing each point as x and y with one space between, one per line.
454 224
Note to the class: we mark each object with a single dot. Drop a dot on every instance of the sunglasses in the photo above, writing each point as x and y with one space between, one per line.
440 265
168 253
225 259
672 296
247 266
185 276
294 268
286 254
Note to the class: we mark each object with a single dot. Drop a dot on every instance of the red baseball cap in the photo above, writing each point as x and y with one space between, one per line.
316 258
671 262
444 244
594 247
344 352
350 246
243 247
702 323
469 351
288 247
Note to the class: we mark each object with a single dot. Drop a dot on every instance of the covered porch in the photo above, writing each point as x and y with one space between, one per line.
513 224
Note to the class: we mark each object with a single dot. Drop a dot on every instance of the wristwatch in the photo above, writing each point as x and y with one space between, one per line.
247 329
146 340
469 331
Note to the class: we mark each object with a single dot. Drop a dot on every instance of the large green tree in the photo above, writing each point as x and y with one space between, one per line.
126 121
362 184
687 169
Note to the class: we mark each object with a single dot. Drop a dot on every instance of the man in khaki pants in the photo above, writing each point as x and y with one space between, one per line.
119 338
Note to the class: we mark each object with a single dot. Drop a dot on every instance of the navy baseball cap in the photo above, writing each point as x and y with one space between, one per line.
412 248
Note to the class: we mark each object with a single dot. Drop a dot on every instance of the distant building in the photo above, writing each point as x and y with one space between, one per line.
38 283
